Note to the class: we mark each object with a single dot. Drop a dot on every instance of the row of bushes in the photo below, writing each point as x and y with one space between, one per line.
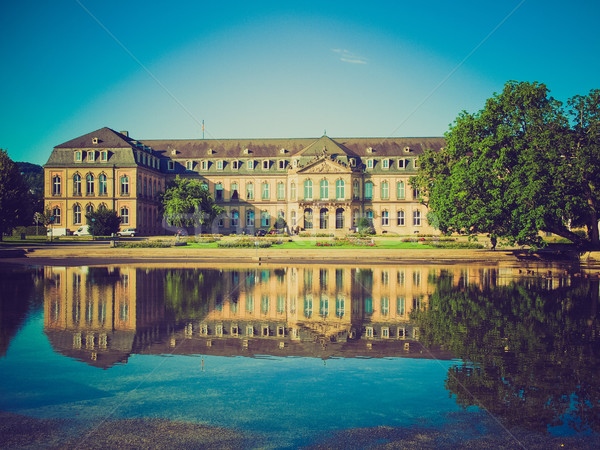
245 243
346 241
31 230
144 244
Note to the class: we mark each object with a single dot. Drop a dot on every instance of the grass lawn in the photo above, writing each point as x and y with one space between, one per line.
311 245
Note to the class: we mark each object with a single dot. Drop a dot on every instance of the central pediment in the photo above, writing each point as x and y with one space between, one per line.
325 166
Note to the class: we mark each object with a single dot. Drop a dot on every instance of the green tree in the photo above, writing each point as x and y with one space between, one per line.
187 203
508 170
103 222
15 199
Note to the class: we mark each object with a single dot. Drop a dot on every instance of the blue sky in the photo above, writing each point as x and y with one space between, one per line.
276 69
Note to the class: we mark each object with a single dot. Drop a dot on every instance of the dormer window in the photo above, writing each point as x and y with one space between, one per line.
295 163
189 165
401 164
173 152
104 156
247 151
171 165
369 163
385 163
204 165
210 151
250 165
407 150
369 150
91 156
352 162
220 165
281 164
78 156
95 140
265 164
283 151
416 163
235 165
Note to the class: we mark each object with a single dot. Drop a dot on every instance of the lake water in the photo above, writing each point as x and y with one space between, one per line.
303 355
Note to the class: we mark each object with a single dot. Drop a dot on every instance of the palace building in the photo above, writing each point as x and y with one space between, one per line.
318 185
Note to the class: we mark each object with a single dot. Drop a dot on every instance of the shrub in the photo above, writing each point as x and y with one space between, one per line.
145 244
245 243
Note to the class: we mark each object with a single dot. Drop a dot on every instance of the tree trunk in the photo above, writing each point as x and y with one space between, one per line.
568 234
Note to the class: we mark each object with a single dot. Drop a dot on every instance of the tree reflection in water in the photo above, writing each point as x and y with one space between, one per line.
531 354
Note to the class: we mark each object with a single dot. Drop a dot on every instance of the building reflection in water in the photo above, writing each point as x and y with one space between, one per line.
101 315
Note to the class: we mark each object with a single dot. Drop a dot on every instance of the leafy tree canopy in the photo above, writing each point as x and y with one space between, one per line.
103 222
517 167
187 203
15 199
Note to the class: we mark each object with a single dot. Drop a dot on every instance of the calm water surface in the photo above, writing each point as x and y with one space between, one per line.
290 355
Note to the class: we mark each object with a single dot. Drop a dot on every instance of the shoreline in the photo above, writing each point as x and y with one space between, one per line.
100 253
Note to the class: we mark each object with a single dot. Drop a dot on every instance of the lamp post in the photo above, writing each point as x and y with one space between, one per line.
93 237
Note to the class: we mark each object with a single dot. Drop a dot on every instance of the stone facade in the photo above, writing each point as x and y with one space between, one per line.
319 185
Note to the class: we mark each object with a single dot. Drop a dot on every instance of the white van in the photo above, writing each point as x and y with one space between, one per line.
82 231
56 231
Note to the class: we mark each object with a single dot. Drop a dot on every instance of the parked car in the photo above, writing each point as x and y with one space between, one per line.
127 232
51 231
260 233
82 231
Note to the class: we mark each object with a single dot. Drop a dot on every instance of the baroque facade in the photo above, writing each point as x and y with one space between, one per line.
316 184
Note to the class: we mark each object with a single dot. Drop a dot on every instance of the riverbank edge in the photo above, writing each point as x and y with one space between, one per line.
101 254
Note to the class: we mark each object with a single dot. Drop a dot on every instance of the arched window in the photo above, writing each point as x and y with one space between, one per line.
340 191
339 219
89 183
124 185
76 184
324 190
400 218
102 185
308 218
235 218
308 190
400 194
385 190
102 207
323 218
249 191
370 216
250 218
89 209
124 215
368 190
56 185
355 218
265 219
76 214
293 191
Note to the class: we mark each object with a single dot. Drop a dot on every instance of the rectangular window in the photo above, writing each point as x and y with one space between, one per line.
78 156
417 218
385 218
401 164
219 165
400 219
235 165
400 190
368 190
280 191
385 163
369 164
91 156
265 191
281 164
250 165
249 191
204 165
266 164
104 156
189 165
171 165
416 194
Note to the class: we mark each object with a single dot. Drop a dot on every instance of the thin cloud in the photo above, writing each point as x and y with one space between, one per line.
349 57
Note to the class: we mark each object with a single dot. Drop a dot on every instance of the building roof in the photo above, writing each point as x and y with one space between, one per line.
106 138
